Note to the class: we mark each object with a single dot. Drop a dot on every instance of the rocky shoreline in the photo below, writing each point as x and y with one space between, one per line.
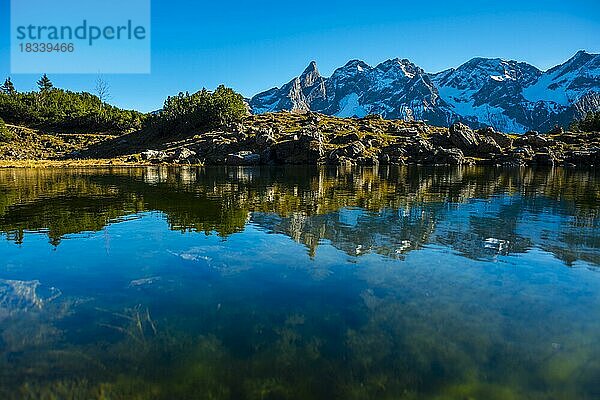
313 139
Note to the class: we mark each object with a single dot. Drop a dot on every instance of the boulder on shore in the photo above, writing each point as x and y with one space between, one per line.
463 138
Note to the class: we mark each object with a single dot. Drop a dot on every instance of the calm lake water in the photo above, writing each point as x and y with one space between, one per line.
402 283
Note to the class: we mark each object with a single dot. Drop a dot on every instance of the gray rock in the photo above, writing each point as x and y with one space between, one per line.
518 157
544 159
488 146
572 139
366 128
301 151
509 160
533 139
399 89
312 118
525 153
452 156
154 155
588 158
297 95
183 156
398 130
463 137
265 138
355 149
501 139
419 149
242 158
311 135
345 139
441 140
352 151
557 130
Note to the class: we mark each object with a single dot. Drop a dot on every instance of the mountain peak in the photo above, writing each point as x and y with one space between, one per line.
581 55
585 56
356 64
400 66
311 69
311 75
581 60
397 61
482 62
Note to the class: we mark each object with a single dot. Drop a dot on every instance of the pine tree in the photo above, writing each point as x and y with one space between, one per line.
45 84
8 87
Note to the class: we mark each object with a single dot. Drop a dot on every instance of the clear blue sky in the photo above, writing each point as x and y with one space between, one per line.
254 45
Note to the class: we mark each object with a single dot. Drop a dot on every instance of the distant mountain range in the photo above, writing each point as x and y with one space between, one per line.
510 96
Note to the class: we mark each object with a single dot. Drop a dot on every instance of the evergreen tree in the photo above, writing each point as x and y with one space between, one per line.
8 87
45 84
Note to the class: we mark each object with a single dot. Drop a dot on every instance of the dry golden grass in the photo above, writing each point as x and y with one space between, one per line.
88 163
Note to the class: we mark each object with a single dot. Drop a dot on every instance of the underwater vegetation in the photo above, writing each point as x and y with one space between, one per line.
377 367
385 344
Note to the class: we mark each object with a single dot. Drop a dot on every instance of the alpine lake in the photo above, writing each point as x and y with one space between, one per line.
300 283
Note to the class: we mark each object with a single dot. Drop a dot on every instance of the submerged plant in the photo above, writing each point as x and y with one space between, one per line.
137 324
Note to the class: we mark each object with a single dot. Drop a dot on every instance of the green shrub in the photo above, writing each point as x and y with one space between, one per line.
65 110
187 113
590 123
5 133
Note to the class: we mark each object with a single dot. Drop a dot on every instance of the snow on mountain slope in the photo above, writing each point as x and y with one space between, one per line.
474 90
510 96
350 107
568 82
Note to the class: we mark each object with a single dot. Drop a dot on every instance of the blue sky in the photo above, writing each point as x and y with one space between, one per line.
252 46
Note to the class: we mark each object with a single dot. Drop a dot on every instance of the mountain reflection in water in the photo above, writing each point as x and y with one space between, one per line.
476 212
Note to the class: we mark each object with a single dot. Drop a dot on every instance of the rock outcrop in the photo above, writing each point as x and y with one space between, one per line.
311 139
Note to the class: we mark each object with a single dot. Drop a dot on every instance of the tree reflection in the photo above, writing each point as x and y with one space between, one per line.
478 212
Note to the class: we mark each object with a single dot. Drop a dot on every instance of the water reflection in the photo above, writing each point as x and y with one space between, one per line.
264 283
477 212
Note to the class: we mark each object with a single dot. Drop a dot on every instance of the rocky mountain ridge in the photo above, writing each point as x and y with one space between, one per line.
508 96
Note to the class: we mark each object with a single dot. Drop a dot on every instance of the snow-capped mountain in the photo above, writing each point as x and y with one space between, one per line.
482 89
510 96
